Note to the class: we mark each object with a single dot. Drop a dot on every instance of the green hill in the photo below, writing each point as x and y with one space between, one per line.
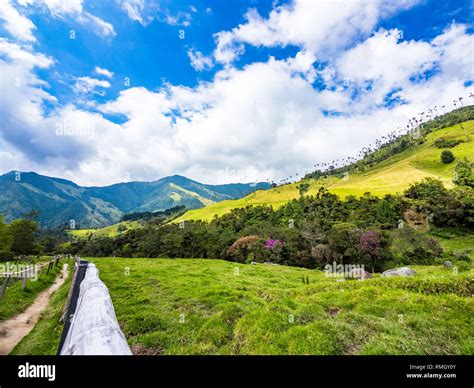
58 201
390 176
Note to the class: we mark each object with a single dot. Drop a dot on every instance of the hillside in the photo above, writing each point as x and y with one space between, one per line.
390 176
59 201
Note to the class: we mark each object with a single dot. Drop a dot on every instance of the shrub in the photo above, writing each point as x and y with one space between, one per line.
463 255
344 240
445 143
428 189
321 253
5 255
241 249
371 248
303 188
411 247
447 157
463 175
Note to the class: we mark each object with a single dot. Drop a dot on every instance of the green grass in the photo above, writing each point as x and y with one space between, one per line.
274 197
201 306
17 300
458 243
454 241
108 231
44 338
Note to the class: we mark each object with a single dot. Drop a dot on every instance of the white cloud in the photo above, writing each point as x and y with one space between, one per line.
100 26
391 63
387 62
384 56
145 12
134 9
455 48
266 120
15 23
180 19
16 53
227 48
104 72
73 9
198 61
320 26
58 8
88 84
26 129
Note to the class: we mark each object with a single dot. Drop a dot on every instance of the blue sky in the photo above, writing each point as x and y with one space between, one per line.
220 91
150 54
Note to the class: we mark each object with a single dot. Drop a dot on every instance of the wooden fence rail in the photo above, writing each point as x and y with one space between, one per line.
35 270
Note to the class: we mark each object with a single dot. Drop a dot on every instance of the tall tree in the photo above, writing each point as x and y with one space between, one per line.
5 238
24 237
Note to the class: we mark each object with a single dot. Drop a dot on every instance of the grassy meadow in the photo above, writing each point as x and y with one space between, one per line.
202 306
108 231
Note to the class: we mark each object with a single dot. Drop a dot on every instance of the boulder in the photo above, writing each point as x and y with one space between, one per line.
448 264
359 273
403 271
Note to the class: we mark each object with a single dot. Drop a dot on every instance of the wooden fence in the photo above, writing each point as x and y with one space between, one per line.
90 324
31 272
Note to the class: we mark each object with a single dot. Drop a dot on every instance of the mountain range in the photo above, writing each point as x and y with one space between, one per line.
59 201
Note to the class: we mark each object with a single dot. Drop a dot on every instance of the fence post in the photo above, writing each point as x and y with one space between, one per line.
4 287
49 267
23 281
71 288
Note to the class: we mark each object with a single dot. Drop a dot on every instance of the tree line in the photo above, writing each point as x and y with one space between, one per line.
310 231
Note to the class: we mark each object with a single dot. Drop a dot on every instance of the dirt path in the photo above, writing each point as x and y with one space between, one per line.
14 329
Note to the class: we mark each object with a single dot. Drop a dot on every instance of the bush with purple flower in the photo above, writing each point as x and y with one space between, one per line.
271 243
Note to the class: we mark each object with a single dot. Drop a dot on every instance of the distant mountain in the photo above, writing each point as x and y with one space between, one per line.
60 200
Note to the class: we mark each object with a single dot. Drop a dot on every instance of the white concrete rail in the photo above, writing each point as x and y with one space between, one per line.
94 329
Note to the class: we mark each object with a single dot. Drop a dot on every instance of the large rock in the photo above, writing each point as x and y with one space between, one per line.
359 273
403 271
448 264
